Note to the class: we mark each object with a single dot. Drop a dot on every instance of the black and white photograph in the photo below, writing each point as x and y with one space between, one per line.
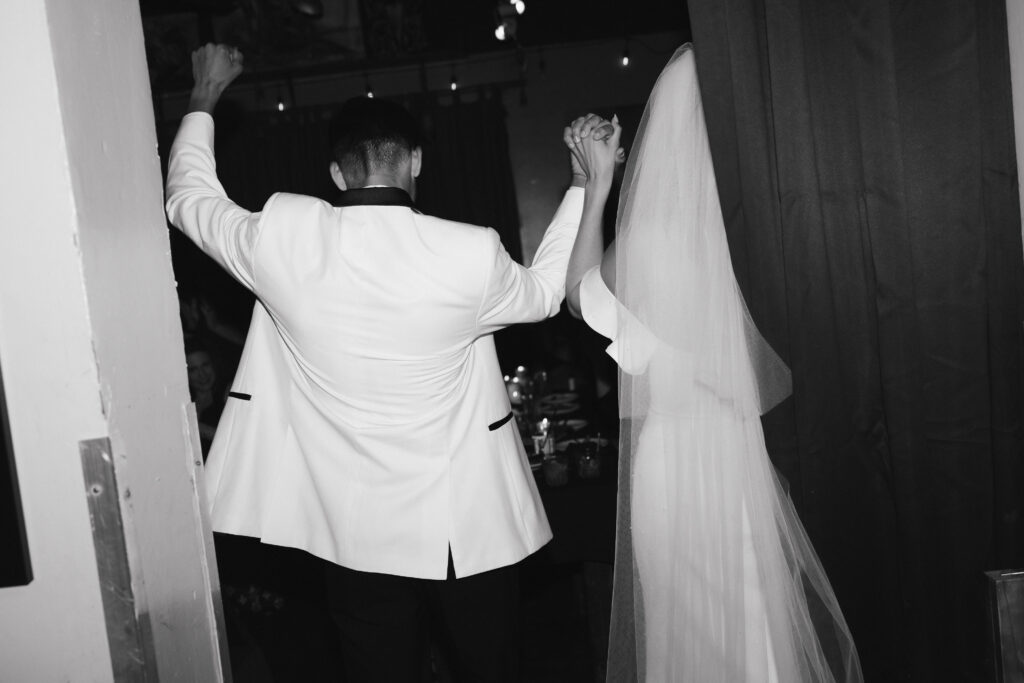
511 341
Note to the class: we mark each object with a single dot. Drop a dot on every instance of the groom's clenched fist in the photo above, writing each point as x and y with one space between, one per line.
214 67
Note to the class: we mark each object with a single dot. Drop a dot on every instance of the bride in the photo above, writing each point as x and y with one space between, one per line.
715 578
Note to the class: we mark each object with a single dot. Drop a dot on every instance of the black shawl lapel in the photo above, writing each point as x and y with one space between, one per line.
376 196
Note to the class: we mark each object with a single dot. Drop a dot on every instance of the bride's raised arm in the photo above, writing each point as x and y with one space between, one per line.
594 152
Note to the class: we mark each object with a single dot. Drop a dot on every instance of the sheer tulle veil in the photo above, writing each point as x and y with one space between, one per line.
710 553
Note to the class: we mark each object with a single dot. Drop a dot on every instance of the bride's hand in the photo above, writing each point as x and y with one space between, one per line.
594 144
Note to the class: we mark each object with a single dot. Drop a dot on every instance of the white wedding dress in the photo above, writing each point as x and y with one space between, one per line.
716 581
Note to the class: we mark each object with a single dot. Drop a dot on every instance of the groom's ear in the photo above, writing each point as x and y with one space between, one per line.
337 177
416 161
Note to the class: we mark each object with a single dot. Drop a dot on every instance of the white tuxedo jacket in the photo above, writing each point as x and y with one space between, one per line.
369 422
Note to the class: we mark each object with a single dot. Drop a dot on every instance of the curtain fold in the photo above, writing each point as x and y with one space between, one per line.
865 165
467 168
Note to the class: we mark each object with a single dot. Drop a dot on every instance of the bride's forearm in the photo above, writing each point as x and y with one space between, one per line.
589 245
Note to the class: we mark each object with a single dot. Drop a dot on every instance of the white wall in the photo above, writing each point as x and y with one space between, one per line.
48 369
90 346
1015 25
133 308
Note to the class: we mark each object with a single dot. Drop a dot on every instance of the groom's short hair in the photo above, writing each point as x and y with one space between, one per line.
368 134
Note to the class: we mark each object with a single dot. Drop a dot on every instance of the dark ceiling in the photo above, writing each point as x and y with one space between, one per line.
298 37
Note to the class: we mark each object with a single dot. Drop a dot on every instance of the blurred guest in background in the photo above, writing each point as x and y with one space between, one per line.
208 390
204 327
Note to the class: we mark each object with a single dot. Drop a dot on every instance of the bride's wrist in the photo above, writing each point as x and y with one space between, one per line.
599 183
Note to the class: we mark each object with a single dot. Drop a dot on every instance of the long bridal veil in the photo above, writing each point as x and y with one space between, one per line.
715 578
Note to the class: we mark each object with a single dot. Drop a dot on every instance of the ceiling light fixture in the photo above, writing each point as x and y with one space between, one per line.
314 9
505 19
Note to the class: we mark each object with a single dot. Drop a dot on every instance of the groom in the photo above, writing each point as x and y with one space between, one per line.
368 423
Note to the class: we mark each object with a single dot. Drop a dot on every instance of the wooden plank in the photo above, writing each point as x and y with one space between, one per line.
124 631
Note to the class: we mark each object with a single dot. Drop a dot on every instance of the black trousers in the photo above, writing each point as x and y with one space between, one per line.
387 624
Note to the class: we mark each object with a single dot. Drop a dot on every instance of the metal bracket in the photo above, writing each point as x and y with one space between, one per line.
124 630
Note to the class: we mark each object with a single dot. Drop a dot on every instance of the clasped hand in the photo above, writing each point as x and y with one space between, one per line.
593 144
214 67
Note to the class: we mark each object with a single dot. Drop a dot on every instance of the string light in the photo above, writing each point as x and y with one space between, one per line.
505 19
312 9
369 88
454 83
625 55
285 88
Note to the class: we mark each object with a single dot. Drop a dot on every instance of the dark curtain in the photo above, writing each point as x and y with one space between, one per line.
864 155
257 153
467 173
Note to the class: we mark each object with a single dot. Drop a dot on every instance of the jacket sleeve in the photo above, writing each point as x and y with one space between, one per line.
199 207
633 344
516 294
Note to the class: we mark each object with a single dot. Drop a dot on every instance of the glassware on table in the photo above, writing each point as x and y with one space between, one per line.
538 387
556 469
526 389
516 391
543 436
572 450
588 466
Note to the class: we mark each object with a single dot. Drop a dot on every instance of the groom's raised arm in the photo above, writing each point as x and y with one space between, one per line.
198 206
196 201
517 294
594 145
